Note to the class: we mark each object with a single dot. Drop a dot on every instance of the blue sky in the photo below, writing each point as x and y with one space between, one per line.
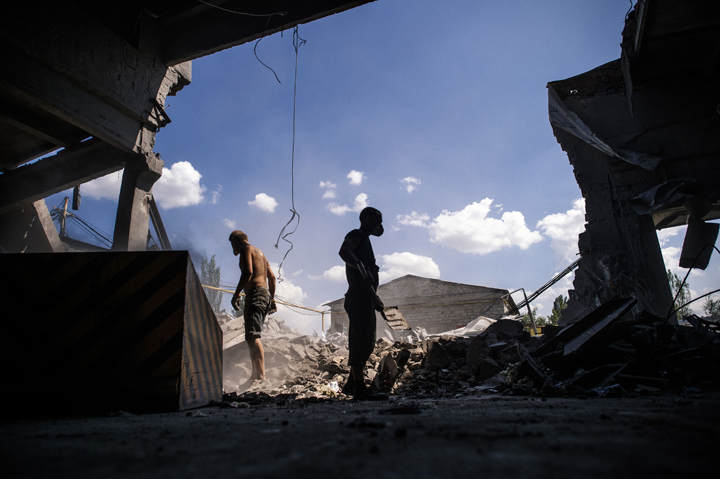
436 114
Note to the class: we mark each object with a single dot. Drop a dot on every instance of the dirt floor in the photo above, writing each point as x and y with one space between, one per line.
484 436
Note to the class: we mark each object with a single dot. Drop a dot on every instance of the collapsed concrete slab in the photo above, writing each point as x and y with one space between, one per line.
646 121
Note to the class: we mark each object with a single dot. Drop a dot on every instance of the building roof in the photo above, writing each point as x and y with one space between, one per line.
417 289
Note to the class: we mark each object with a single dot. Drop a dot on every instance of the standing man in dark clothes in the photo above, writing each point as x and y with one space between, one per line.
360 305
258 281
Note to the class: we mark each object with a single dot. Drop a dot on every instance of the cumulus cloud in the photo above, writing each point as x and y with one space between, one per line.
414 219
411 183
563 229
356 177
329 189
215 197
399 264
471 231
179 186
361 201
666 234
287 291
264 203
336 274
103 188
671 254
671 257
232 224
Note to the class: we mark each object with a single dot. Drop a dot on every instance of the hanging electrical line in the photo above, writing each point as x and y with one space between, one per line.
297 42
242 13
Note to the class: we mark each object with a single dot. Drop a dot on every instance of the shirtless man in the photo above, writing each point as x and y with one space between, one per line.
258 281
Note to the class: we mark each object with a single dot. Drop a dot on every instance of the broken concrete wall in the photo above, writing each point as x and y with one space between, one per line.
643 136
620 252
432 304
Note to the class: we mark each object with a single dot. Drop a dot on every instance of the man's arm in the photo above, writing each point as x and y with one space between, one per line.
352 240
246 270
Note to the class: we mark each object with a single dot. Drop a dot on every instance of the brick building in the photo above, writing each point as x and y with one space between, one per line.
433 304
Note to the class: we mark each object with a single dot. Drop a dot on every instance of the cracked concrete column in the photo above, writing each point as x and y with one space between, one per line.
620 251
133 213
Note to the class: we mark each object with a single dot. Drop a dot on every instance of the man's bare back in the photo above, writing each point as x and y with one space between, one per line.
254 261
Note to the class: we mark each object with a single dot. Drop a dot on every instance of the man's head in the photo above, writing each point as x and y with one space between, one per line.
237 239
371 221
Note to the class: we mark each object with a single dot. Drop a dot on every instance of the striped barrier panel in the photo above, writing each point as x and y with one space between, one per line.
108 331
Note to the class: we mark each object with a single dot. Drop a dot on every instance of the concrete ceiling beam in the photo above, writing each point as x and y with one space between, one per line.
87 161
189 35
45 88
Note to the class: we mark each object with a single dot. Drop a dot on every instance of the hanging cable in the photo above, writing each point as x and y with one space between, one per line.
242 13
256 45
297 41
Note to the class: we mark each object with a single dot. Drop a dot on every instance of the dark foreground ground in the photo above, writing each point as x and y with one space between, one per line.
653 437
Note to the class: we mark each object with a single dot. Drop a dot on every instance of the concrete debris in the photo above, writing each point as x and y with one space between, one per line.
609 353
473 328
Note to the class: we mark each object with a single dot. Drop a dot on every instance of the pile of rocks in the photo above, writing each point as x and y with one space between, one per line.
613 351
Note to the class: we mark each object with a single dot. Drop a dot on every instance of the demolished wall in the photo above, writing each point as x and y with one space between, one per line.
432 304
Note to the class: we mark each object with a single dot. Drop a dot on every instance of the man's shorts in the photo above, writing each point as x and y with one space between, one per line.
256 306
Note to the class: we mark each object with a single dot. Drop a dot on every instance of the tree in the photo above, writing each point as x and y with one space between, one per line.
681 293
711 307
540 321
210 276
559 304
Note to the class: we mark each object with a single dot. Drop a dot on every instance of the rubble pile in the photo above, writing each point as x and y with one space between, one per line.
613 351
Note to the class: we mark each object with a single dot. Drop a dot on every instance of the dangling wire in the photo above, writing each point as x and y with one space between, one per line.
297 41
258 58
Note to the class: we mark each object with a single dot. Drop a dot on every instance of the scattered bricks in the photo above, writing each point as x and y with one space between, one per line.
476 350
437 357
642 337
486 367
506 329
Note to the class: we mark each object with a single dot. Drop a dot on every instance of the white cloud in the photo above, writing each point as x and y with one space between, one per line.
356 177
335 274
471 231
667 233
106 187
400 264
671 257
232 224
411 183
264 203
329 189
179 186
289 292
360 203
414 219
297 272
216 195
563 229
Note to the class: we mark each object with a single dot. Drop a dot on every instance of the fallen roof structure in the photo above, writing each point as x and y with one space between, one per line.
643 136
91 78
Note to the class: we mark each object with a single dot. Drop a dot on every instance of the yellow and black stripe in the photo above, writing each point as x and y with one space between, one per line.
131 330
